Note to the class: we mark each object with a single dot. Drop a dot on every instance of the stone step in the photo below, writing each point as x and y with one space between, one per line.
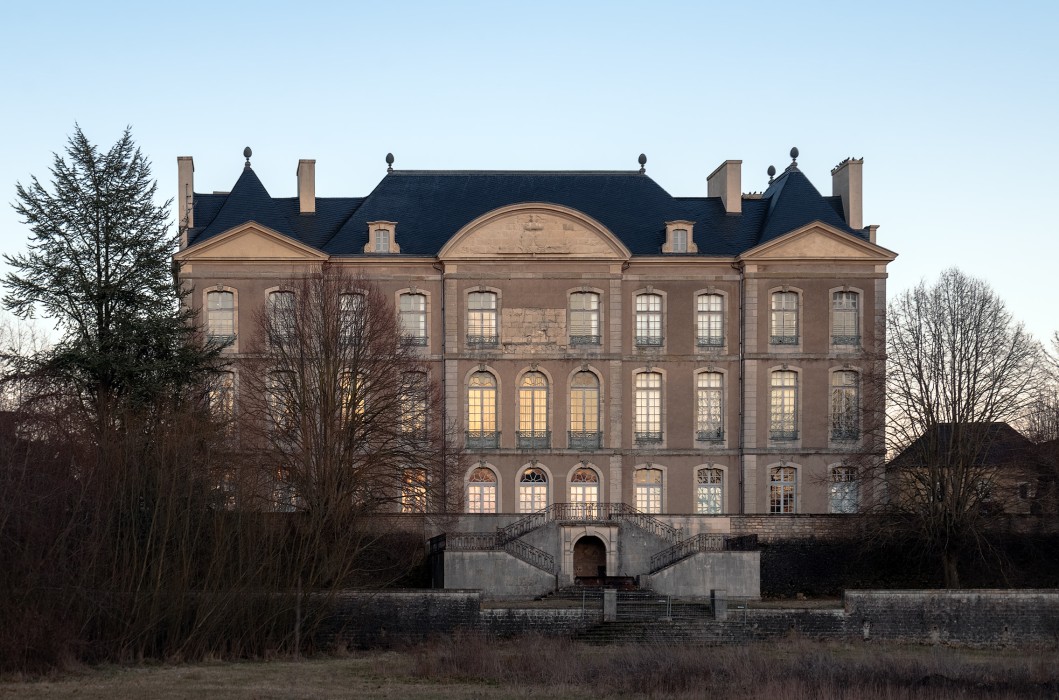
675 632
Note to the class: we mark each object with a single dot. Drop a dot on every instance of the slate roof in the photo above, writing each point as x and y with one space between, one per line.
991 444
431 206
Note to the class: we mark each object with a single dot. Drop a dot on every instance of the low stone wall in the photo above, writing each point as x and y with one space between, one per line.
512 622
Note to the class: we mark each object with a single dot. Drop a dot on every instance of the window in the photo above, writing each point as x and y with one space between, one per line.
783 406
709 321
222 395
481 319
413 315
845 318
414 491
481 491
352 390
584 412
350 317
533 411
842 493
649 320
382 240
648 484
282 318
782 490
220 316
680 240
784 318
584 318
709 491
481 412
845 406
532 490
709 407
413 402
584 486
648 406
284 495
281 406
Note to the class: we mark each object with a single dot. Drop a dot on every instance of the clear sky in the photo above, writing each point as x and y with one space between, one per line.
953 106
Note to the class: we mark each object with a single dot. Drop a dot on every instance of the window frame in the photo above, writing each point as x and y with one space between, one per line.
234 293
789 426
589 340
707 431
534 498
534 434
580 415
846 341
649 325
642 431
840 497
482 339
785 488
780 319
424 314
472 485
573 485
710 341
844 426
484 439
704 496
648 497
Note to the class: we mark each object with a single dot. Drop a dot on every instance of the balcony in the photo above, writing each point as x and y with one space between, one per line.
850 340
845 434
585 439
533 439
482 440
783 340
483 341
647 437
415 340
584 340
710 435
649 341
709 341
783 435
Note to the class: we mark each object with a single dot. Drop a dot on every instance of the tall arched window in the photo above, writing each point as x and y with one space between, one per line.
281 317
414 491
783 406
648 484
784 319
845 318
413 317
709 318
709 407
481 491
413 402
584 412
481 412
220 316
845 406
222 396
584 486
843 493
584 318
533 430
783 490
709 491
648 407
481 319
350 317
648 320
532 490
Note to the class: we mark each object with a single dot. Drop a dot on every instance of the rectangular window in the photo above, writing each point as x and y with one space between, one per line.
709 492
709 408
783 406
782 492
382 241
413 401
680 240
222 395
220 316
843 496
282 318
351 317
648 483
845 406
648 320
845 318
584 318
784 319
481 319
710 321
414 491
413 317
648 407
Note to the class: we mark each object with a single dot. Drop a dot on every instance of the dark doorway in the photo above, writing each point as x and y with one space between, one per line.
590 557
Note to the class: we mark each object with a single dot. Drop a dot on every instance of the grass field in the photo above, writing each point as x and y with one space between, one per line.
473 667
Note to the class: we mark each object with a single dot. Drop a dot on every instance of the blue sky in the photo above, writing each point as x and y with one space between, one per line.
953 106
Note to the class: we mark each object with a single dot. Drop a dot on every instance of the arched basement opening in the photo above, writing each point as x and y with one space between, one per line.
590 557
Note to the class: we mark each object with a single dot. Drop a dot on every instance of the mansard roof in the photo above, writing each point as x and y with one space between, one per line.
431 206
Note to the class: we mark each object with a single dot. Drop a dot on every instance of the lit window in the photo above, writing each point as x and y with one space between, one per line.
709 407
845 406
649 320
414 491
413 401
709 491
533 411
584 412
382 240
584 318
648 406
220 316
284 495
351 316
680 240
481 491
783 406
281 405
710 321
843 495
352 392
282 318
532 491
784 320
782 493
413 315
481 318
584 486
481 412
649 490
845 318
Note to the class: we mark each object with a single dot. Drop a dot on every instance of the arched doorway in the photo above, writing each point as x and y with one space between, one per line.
590 557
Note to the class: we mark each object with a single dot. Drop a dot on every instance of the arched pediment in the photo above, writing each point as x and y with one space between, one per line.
534 231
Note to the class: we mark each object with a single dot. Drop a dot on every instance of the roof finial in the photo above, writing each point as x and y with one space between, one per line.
389 162
643 161
794 156
772 173
246 154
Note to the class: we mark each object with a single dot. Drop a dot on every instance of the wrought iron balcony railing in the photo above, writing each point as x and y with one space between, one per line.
533 439
483 341
783 340
482 440
782 434
649 341
584 340
845 434
710 435
647 437
416 340
585 439
709 341
853 340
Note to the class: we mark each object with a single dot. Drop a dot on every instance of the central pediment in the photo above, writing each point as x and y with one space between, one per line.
534 231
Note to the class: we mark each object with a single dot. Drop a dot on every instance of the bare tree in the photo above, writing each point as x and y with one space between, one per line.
958 365
345 423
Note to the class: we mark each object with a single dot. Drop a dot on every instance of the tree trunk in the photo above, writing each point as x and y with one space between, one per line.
949 564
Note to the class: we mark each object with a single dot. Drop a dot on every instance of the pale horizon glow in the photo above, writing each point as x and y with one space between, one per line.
949 104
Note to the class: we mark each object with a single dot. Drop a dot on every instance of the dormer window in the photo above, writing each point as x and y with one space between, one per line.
382 238
679 237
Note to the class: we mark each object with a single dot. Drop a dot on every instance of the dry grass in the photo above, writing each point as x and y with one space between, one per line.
468 666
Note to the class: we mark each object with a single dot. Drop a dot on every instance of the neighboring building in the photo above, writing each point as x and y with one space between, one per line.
600 340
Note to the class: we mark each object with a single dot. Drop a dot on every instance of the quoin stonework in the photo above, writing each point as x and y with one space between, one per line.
626 365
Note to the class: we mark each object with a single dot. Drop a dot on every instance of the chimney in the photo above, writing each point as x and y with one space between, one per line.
725 182
847 181
307 186
185 197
